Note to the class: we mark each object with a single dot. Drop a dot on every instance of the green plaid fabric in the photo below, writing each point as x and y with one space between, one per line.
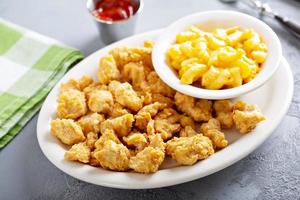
30 65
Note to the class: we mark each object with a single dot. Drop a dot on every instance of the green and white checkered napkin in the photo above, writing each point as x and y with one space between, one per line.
30 65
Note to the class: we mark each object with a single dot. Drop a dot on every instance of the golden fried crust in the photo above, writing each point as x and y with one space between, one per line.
246 116
121 125
124 55
113 156
91 139
108 134
163 99
67 131
138 140
78 152
150 128
224 112
200 110
125 95
187 131
146 113
108 70
117 110
150 158
147 160
187 121
71 84
71 104
157 86
100 101
188 150
135 74
212 129
91 122
85 81
165 128
93 161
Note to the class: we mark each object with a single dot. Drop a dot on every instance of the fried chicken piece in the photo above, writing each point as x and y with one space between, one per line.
246 116
91 139
187 131
124 55
157 86
113 156
138 140
150 128
117 110
165 128
125 95
188 150
71 104
212 129
67 131
146 113
200 110
162 99
100 101
224 112
135 74
121 125
108 134
91 122
187 121
83 82
108 70
79 152
150 158
93 161
94 86
169 114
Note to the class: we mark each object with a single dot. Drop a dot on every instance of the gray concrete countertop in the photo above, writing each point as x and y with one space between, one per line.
271 172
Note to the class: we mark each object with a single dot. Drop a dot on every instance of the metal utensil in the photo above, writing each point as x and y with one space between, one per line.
265 10
111 31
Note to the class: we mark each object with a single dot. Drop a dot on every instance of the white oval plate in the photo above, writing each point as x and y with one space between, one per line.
273 98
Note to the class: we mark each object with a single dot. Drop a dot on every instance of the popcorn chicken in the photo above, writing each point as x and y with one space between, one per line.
100 101
150 128
71 104
124 55
137 140
187 131
125 95
67 131
135 73
83 82
162 99
91 122
93 161
78 152
121 125
94 86
200 110
246 116
117 110
188 150
146 113
156 141
157 86
150 158
169 114
108 70
224 112
187 121
107 134
165 128
212 129
91 139
113 156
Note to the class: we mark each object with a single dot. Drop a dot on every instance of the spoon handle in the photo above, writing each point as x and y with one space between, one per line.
292 26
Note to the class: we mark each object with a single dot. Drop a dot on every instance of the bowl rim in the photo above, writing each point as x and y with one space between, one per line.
263 76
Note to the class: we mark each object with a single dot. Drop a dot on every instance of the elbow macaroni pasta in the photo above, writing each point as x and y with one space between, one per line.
223 58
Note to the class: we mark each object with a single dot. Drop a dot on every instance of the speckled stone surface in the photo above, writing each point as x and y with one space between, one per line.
271 172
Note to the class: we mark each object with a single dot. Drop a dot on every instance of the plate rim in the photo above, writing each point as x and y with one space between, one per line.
165 183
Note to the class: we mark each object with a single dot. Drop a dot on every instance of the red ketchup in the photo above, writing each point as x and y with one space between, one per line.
115 10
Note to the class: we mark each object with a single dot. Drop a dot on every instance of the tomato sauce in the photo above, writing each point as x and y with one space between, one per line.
115 10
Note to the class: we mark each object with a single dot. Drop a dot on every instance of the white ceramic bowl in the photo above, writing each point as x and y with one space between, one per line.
208 21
